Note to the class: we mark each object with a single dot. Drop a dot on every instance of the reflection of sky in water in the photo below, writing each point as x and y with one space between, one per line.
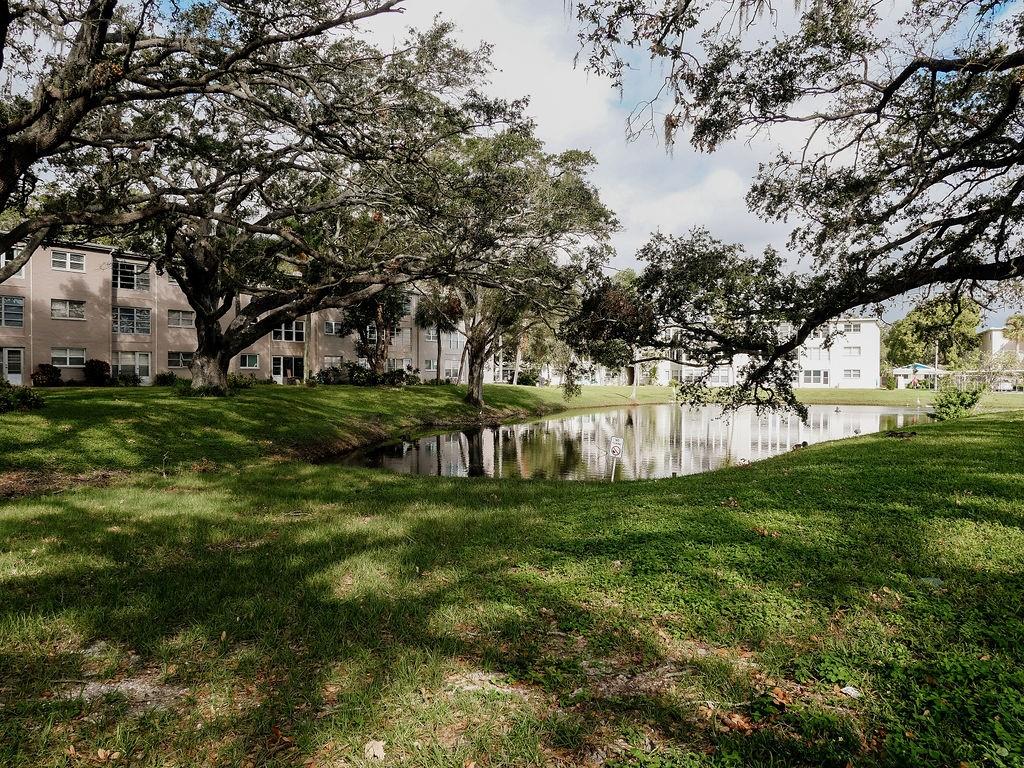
660 441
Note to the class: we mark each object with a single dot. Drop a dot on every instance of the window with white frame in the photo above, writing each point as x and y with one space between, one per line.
430 364
65 261
406 305
67 357
333 328
851 373
181 318
451 373
248 362
6 257
851 351
179 359
816 353
371 333
130 362
67 309
401 335
293 331
851 327
12 311
719 377
815 377
131 320
130 275
399 364
454 340
332 361
431 334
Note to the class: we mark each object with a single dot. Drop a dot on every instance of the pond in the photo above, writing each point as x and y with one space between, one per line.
658 441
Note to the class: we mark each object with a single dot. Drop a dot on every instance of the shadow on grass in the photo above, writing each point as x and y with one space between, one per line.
331 606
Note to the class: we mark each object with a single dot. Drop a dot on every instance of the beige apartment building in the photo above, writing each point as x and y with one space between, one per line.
72 303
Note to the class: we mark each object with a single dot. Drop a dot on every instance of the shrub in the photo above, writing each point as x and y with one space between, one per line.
527 379
237 381
952 403
437 382
129 379
165 379
331 375
184 388
97 373
18 398
46 375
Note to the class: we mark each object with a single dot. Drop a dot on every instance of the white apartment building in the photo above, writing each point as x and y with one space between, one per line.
853 360
995 343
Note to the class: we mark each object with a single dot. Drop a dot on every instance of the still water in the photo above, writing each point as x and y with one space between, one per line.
659 441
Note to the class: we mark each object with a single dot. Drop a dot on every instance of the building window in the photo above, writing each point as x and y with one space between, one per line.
451 373
67 262
293 331
371 333
332 361
399 364
815 377
12 312
67 309
289 367
131 320
401 335
179 359
67 357
7 257
130 362
131 276
851 373
333 328
454 341
249 361
851 351
430 365
719 378
406 305
181 318
431 334
851 327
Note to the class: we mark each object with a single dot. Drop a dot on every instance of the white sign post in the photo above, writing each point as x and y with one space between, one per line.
615 449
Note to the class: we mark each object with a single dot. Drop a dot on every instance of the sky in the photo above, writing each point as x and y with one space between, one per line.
647 186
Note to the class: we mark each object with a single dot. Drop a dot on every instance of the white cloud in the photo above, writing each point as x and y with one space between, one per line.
534 46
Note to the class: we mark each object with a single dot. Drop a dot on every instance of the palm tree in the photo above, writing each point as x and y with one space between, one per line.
1014 331
438 308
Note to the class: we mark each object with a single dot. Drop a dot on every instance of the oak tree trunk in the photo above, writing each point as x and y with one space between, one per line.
477 358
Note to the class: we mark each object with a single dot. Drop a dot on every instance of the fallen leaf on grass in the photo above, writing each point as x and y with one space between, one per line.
765 532
374 750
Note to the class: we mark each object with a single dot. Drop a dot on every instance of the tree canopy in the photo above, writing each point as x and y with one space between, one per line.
83 74
946 325
910 172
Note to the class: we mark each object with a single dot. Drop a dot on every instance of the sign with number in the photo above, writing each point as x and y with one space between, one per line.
616 447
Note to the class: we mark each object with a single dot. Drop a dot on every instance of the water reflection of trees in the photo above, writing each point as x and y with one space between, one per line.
659 441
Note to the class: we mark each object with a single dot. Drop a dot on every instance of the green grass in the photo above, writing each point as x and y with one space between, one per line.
990 401
153 428
294 613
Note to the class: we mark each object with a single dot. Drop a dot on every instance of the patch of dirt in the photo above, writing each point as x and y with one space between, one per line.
486 682
142 692
18 483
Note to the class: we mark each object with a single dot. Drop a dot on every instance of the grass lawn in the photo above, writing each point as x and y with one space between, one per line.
155 429
990 401
288 614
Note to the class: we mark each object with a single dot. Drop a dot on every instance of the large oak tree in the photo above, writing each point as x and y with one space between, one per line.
77 73
911 172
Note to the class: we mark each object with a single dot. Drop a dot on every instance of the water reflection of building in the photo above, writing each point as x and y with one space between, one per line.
660 441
